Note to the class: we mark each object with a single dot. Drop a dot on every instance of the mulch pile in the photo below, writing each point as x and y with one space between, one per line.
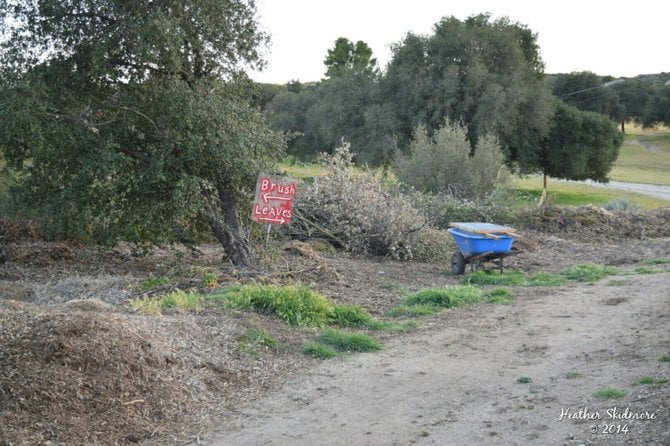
82 377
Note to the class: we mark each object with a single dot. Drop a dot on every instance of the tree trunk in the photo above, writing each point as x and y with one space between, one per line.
227 226
544 191
623 130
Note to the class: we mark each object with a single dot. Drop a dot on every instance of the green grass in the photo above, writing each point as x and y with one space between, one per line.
589 272
524 380
499 296
528 190
259 337
451 296
414 310
609 394
349 342
656 262
664 358
645 270
651 381
320 351
644 157
153 282
489 277
546 279
181 301
299 306
255 340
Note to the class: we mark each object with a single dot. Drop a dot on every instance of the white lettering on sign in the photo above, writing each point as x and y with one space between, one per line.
274 200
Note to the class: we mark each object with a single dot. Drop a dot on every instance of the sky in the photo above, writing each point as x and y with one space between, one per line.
604 37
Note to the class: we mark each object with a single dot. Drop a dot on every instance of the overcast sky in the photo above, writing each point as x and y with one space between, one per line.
605 37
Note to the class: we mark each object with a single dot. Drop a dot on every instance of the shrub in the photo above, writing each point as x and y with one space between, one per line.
447 163
353 210
622 204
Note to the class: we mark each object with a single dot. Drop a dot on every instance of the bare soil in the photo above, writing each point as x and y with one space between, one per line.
78 366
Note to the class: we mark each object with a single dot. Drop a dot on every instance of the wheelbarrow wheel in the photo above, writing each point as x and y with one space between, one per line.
458 263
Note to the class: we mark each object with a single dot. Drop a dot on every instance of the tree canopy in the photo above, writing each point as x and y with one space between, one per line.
347 57
133 119
580 145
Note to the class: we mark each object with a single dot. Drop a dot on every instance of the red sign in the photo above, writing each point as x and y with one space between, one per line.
274 200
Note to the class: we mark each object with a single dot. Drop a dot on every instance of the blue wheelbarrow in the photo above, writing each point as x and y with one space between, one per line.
480 243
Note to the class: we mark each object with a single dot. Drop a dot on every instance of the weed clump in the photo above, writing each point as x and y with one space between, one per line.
299 306
320 351
609 394
589 272
453 296
349 342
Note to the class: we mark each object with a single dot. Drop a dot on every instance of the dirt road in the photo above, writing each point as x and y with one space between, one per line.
459 381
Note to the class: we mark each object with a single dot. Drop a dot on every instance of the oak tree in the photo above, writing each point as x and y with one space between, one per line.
132 119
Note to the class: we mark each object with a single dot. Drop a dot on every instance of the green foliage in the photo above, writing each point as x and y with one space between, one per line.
350 316
448 163
490 277
134 122
656 262
349 342
652 381
181 301
259 338
209 279
579 145
499 296
588 272
587 91
349 57
153 282
355 211
524 380
546 279
485 73
298 306
645 270
664 358
320 351
451 296
657 109
609 394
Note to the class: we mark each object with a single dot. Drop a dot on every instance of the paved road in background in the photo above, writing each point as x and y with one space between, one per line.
652 190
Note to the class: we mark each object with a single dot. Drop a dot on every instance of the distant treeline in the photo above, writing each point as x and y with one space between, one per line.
484 74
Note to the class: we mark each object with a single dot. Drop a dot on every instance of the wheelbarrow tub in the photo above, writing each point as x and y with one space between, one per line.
472 244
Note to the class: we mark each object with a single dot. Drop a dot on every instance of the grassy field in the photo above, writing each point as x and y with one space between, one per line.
528 189
644 156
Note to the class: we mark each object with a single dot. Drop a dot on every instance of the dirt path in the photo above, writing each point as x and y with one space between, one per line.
455 381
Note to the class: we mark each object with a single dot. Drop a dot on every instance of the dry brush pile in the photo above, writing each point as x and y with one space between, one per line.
353 210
